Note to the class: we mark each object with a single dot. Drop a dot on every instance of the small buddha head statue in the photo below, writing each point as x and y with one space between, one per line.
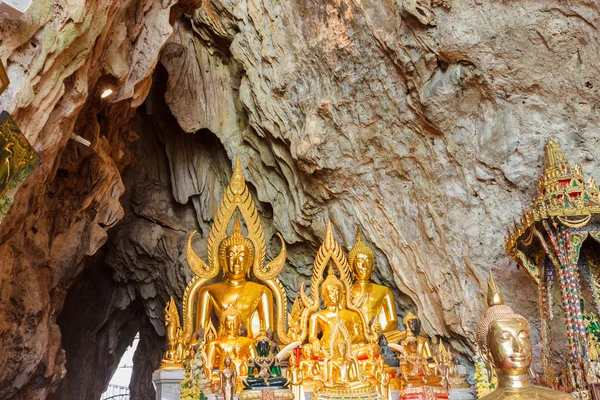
227 361
504 336
412 324
236 253
231 319
332 290
293 360
361 259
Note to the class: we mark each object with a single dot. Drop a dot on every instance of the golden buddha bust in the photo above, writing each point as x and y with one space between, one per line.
375 301
504 340
253 300
228 343
333 294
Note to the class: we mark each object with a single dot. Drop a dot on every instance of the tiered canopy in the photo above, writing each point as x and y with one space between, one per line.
558 237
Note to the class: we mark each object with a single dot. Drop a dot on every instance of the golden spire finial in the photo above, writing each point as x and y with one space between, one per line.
237 227
237 178
494 297
329 240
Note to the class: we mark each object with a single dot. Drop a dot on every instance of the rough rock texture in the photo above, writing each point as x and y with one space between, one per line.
422 122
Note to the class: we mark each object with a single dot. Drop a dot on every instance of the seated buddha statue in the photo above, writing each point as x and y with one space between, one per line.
375 301
228 342
334 297
253 300
414 368
342 370
264 370
412 325
309 366
504 340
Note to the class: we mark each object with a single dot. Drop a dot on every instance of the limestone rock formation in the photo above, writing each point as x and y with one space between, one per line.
422 122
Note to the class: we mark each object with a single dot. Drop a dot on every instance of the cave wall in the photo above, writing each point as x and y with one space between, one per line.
420 122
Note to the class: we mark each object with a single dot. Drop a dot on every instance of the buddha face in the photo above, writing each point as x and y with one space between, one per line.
308 351
236 261
262 348
227 362
412 346
231 324
332 295
341 348
414 325
510 346
363 266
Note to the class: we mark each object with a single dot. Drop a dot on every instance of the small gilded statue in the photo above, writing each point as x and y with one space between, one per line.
414 367
382 376
504 340
342 370
413 329
227 380
296 377
229 342
175 354
264 370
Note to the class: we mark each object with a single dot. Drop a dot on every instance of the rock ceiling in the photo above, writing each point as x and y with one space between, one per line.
420 122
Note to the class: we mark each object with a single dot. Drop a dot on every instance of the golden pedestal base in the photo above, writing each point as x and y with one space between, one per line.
424 393
347 394
266 394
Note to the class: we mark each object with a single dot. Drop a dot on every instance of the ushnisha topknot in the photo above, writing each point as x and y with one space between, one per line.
360 248
496 311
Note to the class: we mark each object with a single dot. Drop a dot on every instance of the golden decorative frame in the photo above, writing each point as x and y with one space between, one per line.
237 197
4 81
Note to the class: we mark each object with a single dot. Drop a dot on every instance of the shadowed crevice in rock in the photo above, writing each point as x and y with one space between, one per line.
98 323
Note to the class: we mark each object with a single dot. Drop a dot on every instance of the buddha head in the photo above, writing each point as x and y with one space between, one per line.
340 348
332 290
410 345
361 259
236 253
227 361
307 351
263 346
293 361
504 336
412 324
231 319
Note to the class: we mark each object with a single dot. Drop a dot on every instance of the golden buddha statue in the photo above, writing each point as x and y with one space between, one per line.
375 301
253 300
342 370
412 325
228 343
237 257
414 368
333 294
504 340
383 378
